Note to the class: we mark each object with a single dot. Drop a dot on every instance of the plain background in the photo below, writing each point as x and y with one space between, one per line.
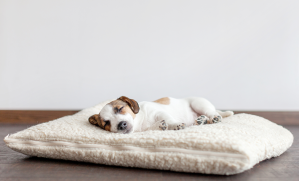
67 54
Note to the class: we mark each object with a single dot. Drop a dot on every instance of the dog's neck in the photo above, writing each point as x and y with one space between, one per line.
139 120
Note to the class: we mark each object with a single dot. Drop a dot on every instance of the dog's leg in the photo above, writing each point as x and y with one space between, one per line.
206 111
168 122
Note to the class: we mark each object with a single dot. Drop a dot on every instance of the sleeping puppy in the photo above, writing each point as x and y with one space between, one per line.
125 115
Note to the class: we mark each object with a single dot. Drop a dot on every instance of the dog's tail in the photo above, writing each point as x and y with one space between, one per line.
225 114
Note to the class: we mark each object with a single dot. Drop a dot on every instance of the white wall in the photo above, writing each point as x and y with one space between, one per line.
66 54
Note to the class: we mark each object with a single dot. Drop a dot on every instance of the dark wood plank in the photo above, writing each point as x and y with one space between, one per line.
31 116
40 116
279 117
16 166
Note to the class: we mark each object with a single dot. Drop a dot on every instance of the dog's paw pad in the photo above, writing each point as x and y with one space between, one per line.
217 119
180 126
183 125
163 126
202 120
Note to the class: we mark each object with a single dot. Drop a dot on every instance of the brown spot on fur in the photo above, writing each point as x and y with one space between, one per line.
118 104
164 100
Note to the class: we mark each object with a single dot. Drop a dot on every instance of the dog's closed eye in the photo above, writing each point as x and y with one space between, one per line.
118 110
107 123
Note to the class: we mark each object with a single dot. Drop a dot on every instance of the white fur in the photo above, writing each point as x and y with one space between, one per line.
151 114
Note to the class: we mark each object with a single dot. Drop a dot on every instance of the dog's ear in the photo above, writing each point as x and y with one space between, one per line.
92 119
95 119
131 102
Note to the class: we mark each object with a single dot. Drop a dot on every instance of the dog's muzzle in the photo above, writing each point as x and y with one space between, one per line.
122 125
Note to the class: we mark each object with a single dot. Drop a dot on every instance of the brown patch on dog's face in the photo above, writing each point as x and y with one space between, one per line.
121 107
164 100
97 120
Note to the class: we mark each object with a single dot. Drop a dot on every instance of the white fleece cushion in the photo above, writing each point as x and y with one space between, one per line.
232 146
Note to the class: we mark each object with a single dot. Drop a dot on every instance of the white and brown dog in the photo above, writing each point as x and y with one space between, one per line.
125 115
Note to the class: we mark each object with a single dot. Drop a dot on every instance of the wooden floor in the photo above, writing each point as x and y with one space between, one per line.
35 117
16 166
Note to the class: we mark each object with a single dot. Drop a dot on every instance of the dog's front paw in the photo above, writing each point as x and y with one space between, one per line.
217 119
180 126
202 120
163 126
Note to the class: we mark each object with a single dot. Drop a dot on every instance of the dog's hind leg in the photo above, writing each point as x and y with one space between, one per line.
203 108
225 114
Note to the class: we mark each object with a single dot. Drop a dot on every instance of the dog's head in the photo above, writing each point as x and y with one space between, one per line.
117 116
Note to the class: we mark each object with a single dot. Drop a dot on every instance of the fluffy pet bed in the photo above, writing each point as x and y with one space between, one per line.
232 146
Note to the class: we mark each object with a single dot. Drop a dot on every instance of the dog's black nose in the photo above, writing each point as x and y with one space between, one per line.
122 125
